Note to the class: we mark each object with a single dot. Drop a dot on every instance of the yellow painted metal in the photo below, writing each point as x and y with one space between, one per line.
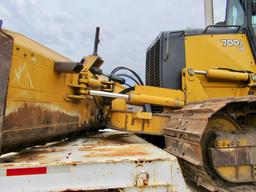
198 87
92 60
207 52
35 48
241 173
85 80
225 75
223 124
93 83
142 115
138 122
157 96
141 99
143 122
192 87
159 92
203 52
118 105
33 83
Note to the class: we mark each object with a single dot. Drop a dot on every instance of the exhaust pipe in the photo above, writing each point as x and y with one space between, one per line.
96 41
208 12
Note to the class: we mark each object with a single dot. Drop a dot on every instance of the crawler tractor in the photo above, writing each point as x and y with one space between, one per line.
198 102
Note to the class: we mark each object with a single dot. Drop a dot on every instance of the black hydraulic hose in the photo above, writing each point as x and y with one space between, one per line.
127 84
133 72
130 77
127 90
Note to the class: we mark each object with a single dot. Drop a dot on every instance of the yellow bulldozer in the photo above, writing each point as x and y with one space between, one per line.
198 99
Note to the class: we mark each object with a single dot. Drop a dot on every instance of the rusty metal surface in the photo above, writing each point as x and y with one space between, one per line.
32 114
187 136
239 150
234 157
189 124
33 104
113 147
6 46
106 160
32 124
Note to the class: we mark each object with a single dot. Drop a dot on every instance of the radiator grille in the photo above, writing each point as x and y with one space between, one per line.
153 65
153 70
165 59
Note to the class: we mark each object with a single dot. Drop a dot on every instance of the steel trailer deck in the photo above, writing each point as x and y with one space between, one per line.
108 160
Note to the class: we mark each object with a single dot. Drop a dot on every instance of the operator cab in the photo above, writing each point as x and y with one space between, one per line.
242 13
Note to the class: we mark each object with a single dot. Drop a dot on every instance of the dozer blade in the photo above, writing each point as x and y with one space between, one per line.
215 142
34 108
6 46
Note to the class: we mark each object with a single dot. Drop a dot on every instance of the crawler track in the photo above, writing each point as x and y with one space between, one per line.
215 143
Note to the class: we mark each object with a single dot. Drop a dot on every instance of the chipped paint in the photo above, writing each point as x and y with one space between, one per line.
123 151
83 173
19 71
90 149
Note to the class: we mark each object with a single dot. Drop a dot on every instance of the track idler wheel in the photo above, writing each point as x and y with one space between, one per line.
231 151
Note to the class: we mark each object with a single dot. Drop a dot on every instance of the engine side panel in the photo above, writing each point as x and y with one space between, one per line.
217 51
222 51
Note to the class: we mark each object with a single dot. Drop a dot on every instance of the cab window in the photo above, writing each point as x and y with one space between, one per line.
235 13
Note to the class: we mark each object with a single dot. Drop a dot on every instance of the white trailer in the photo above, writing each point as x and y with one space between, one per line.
104 161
